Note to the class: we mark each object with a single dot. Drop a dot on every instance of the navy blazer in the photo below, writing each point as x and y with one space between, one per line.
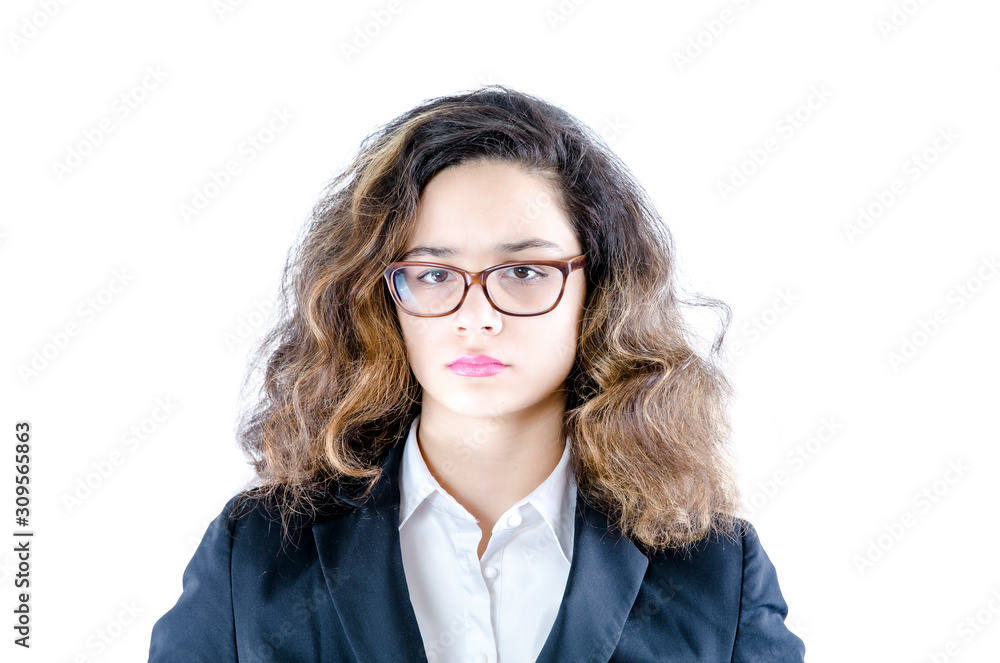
336 591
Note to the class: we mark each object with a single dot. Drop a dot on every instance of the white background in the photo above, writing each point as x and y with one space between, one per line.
178 330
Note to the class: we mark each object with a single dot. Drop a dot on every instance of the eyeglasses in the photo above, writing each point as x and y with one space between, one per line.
431 290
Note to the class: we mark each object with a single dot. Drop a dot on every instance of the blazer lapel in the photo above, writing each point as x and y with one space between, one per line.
363 565
603 583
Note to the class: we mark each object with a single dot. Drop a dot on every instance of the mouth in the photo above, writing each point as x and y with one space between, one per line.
476 366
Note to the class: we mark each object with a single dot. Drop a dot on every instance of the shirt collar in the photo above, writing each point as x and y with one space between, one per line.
554 498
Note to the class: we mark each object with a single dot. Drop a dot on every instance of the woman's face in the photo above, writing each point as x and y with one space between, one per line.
475 216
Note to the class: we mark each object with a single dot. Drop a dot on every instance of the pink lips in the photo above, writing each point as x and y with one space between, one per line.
478 366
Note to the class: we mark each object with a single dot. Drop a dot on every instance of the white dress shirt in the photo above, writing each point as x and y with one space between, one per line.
498 609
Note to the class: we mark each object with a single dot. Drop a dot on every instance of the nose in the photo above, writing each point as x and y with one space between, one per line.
477 315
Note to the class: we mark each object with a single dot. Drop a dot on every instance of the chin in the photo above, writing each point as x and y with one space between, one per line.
475 408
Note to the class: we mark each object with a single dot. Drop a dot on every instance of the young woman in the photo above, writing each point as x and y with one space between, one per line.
483 432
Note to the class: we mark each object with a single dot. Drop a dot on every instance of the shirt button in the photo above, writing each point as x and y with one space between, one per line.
514 520
481 658
490 572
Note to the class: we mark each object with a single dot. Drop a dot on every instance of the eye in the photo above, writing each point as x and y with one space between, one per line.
523 272
435 276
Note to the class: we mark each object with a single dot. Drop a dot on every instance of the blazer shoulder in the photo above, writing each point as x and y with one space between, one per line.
724 544
721 589
258 514
201 626
247 554
761 631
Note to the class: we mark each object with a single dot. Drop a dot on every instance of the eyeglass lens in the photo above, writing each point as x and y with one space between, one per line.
516 289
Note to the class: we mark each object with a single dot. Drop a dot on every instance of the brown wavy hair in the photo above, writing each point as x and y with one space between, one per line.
647 415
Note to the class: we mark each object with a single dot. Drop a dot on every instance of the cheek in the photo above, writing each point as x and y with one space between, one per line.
411 336
418 339
567 353
558 351
571 327
414 329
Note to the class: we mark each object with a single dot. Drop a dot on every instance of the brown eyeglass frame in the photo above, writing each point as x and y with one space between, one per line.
471 278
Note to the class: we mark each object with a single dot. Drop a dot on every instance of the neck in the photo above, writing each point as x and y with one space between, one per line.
490 463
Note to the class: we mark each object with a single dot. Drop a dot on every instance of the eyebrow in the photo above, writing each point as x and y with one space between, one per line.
505 247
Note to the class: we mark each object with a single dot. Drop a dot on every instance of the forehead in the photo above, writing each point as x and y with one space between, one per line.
488 208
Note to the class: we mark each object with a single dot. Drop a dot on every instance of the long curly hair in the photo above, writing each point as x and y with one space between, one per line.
647 415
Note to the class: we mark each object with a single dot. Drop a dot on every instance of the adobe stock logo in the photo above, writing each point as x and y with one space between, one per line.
120 109
130 441
59 341
958 297
33 24
898 17
759 324
786 128
246 325
365 34
562 12
912 169
712 29
218 180
795 460
924 500
969 629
